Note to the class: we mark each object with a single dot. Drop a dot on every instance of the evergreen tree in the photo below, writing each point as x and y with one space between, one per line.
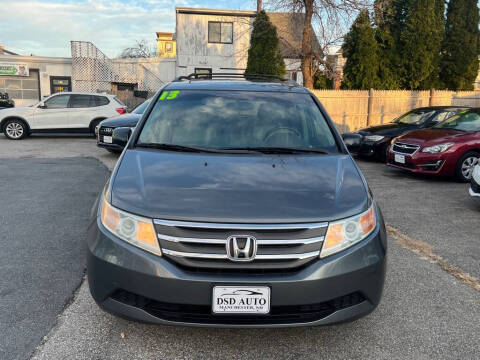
387 35
361 50
419 42
459 65
433 81
322 81
264 56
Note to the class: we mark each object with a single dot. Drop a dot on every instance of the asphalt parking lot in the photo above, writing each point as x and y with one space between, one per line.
430 308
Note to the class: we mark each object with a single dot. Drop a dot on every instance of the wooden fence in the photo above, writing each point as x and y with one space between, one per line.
353 110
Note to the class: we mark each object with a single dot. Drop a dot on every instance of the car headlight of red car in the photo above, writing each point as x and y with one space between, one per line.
435 149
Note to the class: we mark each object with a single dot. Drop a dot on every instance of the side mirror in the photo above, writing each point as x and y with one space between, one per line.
352 141
42 106
121 135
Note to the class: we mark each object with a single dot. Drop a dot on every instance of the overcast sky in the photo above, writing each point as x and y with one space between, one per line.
45 27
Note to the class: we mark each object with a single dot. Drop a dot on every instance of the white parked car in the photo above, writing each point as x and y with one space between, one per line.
62 112
475 184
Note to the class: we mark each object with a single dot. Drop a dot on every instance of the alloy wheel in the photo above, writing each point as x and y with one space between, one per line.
14 130
468 165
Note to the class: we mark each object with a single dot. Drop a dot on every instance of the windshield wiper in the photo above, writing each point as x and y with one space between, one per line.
279 150
174 147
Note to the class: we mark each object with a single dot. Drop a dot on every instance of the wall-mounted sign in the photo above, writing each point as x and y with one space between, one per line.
14 69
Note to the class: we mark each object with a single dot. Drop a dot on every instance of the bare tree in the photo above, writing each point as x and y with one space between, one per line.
141 49
326 19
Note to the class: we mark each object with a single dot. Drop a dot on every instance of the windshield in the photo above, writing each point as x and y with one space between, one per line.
140 109
414 117
237 120
469 121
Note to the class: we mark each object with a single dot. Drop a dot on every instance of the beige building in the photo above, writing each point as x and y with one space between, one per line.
166 45
337 63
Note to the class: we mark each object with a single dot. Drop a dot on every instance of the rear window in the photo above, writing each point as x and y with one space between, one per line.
233 119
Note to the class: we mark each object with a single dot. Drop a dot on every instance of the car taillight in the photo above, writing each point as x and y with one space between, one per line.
121 111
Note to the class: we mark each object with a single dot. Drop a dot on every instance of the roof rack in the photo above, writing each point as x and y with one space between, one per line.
250 77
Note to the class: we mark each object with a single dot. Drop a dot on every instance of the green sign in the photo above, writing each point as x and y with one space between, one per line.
14 69
169 95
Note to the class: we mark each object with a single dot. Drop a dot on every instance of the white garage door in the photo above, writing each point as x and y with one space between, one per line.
22 89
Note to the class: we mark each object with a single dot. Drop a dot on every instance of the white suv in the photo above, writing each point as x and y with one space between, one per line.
66 111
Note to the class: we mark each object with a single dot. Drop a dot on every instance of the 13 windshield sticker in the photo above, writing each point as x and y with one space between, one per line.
169 95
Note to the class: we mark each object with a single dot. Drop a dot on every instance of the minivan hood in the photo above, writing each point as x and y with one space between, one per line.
431 136
238 188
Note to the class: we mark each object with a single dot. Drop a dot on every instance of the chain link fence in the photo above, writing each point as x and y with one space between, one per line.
93 71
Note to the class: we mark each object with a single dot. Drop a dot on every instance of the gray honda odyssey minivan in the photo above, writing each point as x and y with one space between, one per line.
236 204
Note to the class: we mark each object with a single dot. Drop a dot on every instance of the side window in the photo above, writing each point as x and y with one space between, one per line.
80 101
57 102
100 101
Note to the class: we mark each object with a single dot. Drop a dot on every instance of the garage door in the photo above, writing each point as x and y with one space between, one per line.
21 88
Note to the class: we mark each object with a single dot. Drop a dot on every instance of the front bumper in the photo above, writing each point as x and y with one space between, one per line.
474 189
113 147
425 163
130 282
375 149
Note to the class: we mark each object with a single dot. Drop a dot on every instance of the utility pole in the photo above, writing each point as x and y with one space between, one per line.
259 6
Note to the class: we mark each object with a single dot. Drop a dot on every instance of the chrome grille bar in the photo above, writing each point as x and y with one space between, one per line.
259 257
233 226
404 148
224 241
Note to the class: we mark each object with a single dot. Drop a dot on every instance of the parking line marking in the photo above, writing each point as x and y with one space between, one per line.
424 250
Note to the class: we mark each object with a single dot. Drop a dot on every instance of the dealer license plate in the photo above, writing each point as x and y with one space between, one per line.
400 159
107 139
241 300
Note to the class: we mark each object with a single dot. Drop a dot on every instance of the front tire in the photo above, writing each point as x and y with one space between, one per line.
465 166
15 129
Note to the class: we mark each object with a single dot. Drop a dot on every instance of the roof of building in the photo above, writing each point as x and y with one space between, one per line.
290 31
4 51
224 12
165 34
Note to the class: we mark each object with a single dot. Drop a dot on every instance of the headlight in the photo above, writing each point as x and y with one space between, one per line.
374 137
136 230
437 148
347 232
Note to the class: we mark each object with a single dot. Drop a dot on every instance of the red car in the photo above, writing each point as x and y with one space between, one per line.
450 148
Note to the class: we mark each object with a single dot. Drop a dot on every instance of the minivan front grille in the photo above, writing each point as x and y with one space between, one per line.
404 148
208 245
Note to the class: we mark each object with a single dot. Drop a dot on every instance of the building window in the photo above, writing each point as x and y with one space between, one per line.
220 32
168 47
60 84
